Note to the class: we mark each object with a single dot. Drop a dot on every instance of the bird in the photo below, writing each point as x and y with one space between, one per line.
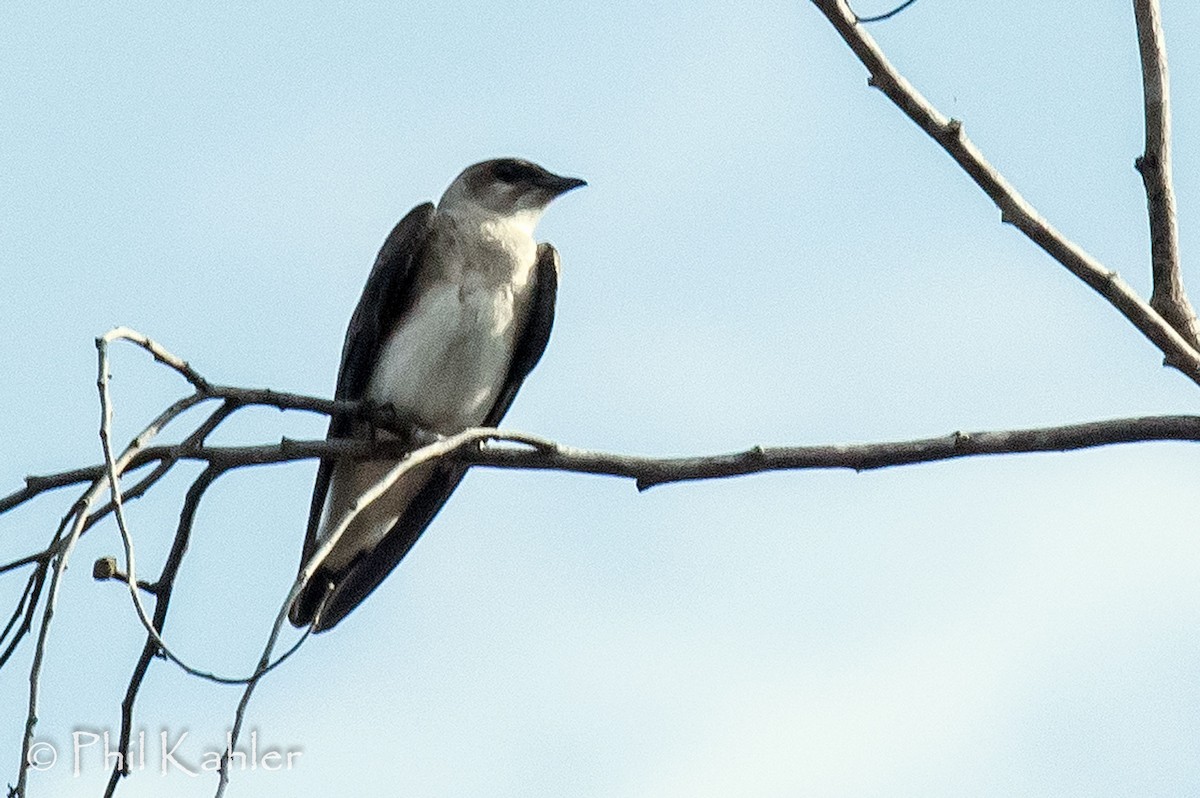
456 312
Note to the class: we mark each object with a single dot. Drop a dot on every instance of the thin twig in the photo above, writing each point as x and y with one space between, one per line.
39 651
41 556
160 470
29 600
162 595
196 438
1014 209
888 15
12 621
159 353
39 582
1169 297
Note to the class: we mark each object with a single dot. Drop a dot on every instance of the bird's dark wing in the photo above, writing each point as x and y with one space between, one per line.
383 300
366 574
536 334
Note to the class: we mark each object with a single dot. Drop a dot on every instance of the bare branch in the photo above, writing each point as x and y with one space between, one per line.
1014 209
648 471
651 471
1169 297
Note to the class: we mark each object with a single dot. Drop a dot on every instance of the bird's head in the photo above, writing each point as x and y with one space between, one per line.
506 187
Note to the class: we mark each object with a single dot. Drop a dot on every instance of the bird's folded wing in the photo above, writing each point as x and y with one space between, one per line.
384 299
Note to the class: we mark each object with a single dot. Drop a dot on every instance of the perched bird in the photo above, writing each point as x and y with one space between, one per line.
455 314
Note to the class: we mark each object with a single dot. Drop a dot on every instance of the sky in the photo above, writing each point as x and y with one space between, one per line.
767 253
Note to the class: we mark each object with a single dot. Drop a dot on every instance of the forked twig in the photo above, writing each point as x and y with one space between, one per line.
1014 208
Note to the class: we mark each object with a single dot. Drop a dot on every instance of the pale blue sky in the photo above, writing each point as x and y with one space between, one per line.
767 253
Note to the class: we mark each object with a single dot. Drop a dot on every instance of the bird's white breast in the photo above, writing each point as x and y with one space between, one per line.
447 360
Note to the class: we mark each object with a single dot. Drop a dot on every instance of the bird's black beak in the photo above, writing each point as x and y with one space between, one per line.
556 184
